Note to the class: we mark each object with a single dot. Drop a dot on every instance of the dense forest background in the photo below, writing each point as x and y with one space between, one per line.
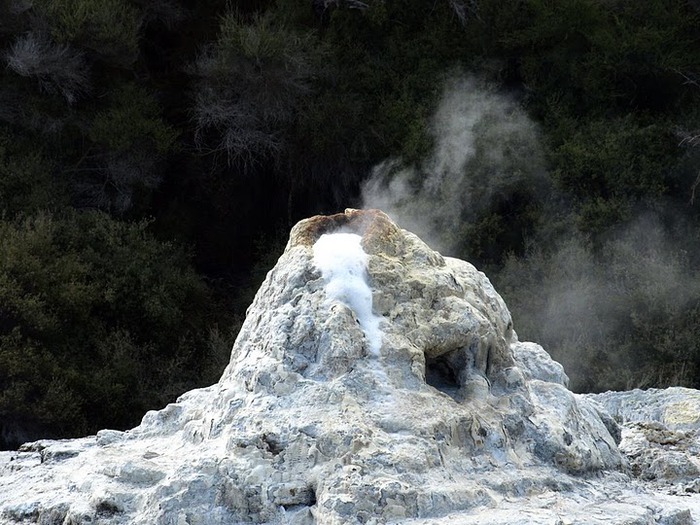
154 154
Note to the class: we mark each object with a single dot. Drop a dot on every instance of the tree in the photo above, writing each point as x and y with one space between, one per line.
250 85
99 322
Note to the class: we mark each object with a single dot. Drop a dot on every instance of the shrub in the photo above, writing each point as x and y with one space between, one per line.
251 81
110 28
132 120
99 322
615 157
26 182
129 142
603 57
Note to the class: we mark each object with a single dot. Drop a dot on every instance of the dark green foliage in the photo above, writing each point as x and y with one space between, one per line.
615 157
128 142
26 183
603 57
246 116
131 121
73 84
610 165
108 27
99 322
401 56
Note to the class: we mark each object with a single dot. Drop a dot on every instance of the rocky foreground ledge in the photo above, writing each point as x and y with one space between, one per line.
375 381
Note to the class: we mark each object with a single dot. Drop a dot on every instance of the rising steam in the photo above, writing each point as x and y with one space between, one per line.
485 147
611 309
619 317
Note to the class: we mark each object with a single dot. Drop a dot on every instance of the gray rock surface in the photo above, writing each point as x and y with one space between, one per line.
676 408
660 435
373 381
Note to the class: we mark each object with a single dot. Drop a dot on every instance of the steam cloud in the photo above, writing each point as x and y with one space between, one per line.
588 306
602 313
484 147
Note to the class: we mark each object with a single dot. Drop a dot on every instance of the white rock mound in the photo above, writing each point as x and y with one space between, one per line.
373 381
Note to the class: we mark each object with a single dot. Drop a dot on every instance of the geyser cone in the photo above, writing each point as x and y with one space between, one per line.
372 380
428 307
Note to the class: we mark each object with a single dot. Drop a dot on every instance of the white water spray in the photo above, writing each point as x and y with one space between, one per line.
343 264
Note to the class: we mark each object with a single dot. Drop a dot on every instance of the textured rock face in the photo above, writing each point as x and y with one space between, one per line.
659 434
373 381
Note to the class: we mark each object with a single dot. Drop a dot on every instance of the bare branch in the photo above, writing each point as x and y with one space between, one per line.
694 187
57 68
464 10
322 6
688 138
690 78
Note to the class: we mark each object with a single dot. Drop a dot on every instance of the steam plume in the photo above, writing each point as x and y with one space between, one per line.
618 317
485 147
615 310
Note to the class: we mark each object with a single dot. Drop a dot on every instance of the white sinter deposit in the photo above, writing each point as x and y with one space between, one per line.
373 381
343 264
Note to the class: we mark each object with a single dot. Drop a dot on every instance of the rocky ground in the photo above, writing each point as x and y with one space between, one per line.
375 381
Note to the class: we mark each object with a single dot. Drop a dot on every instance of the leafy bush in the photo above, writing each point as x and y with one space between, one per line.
26 181
615 157
602 57
129 141
132 120
611 167
108 27
99 321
